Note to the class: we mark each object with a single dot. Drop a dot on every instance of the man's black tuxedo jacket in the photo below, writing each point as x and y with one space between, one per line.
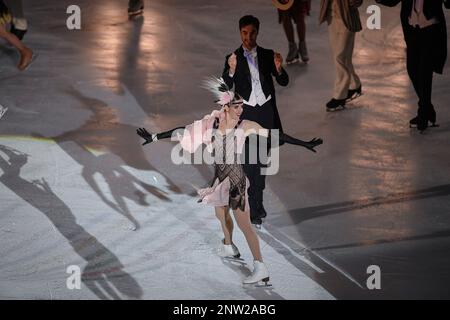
431 8
242 80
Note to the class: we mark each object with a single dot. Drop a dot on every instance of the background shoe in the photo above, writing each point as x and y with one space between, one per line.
303 51
422 124
18 33
292 55
262 212
413 122
354 93
257 222
431 117
335 104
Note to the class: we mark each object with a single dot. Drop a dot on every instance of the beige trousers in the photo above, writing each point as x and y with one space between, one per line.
342 44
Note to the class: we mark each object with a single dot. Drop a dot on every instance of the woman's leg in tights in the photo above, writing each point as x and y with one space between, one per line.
301 26
223 214
288 27
243 221
25 53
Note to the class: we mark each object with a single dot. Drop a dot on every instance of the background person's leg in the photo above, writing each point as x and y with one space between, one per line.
26 55
355 81
412 67
285 19
301 32
426 110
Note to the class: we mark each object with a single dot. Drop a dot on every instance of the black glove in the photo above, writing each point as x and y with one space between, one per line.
310 145
145 134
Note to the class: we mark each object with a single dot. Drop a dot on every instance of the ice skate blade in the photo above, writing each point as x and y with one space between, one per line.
292 62
434 125
233 259
135 13
340 108
264 283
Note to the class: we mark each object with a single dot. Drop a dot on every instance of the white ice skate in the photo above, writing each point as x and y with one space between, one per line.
260 273
228 251
2 111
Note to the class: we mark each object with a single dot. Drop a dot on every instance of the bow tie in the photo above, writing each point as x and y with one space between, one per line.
249 53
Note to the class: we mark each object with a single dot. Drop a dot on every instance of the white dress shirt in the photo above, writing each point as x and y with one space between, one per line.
257 97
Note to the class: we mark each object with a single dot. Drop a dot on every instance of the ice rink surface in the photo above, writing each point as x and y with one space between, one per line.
75 181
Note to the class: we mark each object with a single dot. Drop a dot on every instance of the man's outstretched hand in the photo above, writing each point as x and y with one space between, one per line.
144 134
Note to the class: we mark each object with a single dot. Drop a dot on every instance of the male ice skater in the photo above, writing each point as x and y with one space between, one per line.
343 21
250 69
425 33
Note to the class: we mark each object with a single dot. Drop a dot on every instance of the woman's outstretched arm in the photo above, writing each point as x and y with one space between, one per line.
310 145
252 127
150 137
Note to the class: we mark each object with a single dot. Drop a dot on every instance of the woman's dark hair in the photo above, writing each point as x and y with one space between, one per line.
247 20
236 97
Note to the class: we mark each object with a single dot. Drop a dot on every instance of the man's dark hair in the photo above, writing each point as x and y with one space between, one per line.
247 20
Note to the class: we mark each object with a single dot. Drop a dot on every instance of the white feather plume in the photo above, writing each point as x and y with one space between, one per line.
220 90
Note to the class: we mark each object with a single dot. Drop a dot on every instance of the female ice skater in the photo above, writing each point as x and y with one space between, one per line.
224 134
26 54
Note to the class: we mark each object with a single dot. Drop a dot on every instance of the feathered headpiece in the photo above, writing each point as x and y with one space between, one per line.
220 89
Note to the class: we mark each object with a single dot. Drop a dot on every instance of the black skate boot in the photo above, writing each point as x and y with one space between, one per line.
336 104
18 33
354 93
430 116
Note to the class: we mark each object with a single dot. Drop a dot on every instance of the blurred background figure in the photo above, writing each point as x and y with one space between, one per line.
294 10
342 17
19 24
2 111
26 54
425 34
